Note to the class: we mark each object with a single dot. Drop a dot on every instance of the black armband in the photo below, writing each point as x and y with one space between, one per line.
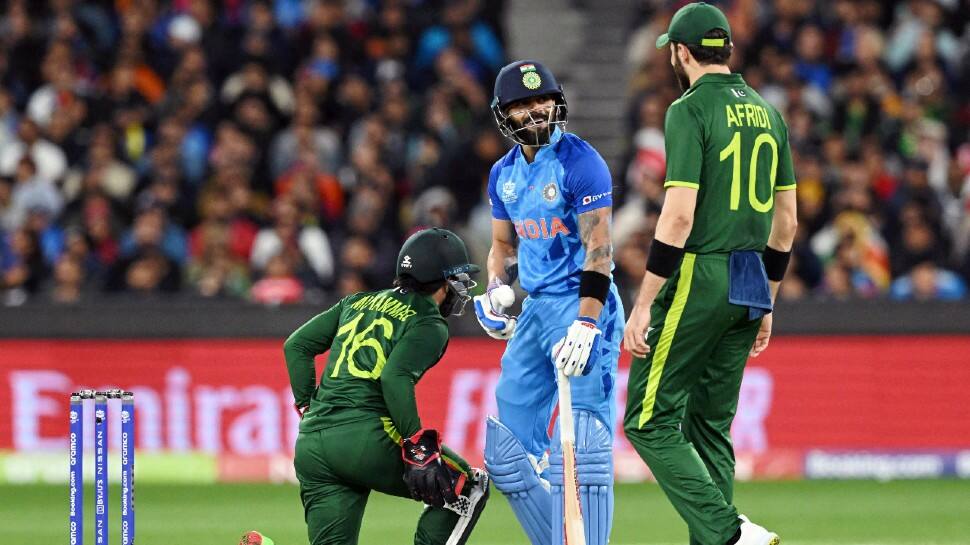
776 263
664 258
595 285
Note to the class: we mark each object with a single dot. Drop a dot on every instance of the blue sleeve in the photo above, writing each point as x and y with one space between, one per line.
498 207
588 182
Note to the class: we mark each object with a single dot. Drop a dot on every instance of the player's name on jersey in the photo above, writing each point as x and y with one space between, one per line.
747 115
386 305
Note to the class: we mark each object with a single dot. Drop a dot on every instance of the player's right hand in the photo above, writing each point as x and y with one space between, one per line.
636 330
490 310
764 335
428 478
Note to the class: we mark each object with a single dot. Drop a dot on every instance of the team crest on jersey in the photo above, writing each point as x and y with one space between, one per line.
508 192
550 192
406 262
531 80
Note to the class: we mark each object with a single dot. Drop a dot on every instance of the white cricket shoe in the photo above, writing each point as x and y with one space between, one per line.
752 534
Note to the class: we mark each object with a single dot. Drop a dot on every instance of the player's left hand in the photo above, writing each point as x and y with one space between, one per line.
635 333
301 409
764 335
427 477
571 353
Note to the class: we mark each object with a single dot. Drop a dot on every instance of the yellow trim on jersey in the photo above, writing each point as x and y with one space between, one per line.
667 337
676 183
788 187
453 464
390 430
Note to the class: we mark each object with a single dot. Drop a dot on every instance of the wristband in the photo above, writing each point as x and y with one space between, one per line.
595 285
776 263
664 258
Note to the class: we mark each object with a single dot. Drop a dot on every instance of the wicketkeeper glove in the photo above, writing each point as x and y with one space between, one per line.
490 310
572 352
428 478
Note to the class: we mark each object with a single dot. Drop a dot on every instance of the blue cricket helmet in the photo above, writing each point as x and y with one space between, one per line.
520 80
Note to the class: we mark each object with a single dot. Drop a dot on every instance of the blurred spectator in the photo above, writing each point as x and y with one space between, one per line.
108 173
927 282
23 270
461 29
305 247
49 160
30 191
149 257
68 281
152 228
279 285
213 271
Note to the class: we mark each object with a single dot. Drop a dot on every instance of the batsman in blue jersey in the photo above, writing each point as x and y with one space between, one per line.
551 199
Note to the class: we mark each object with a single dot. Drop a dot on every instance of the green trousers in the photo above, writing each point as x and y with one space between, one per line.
339 466
682 397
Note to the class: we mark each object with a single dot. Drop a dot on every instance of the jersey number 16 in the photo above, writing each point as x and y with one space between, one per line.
355 340
733 150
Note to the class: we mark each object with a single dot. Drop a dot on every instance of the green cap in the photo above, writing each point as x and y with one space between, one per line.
434 254
692 22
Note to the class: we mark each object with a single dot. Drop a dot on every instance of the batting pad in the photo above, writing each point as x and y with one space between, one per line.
513 474
594 469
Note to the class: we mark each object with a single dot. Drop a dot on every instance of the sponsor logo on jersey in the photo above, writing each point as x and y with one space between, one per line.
508 192
590 199
550 192
532 229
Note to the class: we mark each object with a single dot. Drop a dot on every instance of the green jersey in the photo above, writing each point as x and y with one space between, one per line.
381 344
724 140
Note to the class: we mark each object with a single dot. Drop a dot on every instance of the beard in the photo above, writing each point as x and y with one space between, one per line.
681 74
534 135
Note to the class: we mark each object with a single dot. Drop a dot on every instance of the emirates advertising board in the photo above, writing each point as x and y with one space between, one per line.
221 410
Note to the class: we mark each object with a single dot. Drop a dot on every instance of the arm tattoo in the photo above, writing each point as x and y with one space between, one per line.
599 250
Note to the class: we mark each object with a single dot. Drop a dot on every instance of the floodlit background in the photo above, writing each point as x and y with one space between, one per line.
183 183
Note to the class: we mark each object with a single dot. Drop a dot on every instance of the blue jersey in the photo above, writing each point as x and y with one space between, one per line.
543 200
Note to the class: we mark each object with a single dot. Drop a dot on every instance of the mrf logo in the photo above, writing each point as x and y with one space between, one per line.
533 229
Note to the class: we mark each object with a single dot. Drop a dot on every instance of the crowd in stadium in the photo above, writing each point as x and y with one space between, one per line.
280 151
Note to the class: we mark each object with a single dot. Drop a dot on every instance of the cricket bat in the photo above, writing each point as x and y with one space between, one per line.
572 512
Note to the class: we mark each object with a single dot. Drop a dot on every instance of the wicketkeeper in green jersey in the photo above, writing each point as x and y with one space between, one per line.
721 248
360 429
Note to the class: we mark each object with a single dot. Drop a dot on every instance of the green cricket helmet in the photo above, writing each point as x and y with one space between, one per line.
436 254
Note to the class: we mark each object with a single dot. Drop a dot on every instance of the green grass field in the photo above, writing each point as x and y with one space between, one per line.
803 513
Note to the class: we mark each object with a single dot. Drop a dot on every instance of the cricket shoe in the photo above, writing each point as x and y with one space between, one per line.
255 538
752 534
469 507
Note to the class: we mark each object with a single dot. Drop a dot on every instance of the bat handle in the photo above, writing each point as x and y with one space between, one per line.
567 430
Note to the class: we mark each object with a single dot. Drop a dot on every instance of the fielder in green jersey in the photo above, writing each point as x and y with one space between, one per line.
720 250
359 428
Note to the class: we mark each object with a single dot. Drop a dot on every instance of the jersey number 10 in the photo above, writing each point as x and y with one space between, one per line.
734 150
355 340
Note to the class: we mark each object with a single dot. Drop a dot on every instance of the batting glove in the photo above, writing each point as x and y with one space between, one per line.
427 477
490 310
571 353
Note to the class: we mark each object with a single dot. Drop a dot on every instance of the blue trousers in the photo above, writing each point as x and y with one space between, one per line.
526 390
